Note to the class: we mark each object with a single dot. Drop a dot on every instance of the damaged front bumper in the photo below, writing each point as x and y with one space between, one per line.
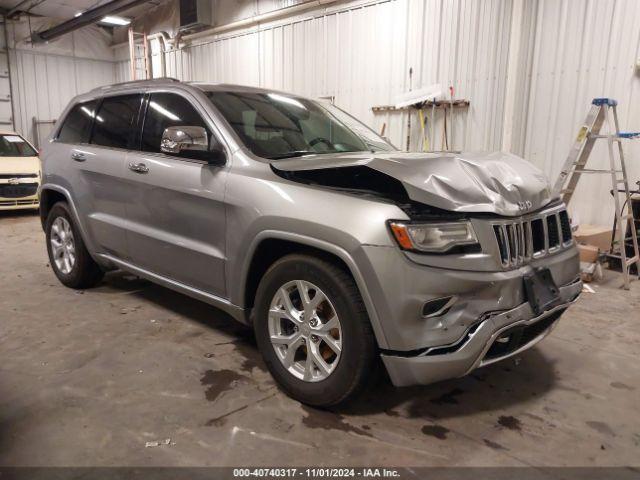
495 338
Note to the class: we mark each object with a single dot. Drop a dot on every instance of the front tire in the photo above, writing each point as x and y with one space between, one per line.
313 331
68 255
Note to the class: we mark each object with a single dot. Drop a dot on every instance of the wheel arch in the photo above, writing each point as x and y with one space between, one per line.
51 194
269 246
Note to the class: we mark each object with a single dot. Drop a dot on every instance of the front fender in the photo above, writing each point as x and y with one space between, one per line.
319 244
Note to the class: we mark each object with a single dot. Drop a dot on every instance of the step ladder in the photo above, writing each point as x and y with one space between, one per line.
139 55
602 111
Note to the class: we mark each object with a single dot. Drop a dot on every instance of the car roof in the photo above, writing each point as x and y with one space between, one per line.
228 87
172 82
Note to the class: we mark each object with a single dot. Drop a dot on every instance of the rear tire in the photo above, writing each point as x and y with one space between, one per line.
343 351
68 256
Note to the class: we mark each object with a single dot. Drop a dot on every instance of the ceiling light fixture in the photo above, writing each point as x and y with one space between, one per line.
115 20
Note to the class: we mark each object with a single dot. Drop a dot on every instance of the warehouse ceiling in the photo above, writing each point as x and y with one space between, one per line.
66 9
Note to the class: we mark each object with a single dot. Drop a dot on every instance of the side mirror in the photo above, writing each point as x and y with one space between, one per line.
192 142
176 140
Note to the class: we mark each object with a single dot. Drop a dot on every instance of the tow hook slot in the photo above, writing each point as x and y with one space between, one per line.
438 306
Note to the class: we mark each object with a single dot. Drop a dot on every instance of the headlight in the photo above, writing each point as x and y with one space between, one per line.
433 237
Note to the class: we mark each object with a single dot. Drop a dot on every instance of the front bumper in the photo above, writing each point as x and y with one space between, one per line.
479 346
29 198
19 203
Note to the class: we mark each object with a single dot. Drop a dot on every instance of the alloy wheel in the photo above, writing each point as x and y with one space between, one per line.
305 331
63 246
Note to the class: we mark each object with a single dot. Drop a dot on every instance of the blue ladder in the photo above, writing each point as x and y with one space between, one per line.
603 110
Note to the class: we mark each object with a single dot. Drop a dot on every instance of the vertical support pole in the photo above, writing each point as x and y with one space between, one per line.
163 60
36 133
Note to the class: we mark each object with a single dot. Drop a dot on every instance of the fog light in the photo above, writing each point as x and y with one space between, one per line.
438 306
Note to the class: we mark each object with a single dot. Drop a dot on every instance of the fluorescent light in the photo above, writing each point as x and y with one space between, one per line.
115 20
163 111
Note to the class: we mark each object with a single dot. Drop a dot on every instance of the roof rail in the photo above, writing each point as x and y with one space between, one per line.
152 81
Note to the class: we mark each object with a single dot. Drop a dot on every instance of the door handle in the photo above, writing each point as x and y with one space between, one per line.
138 168
78 157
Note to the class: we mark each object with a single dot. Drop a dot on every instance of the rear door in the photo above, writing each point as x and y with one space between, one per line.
99 133
176 203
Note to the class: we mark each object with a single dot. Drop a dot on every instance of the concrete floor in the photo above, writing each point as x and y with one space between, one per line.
87 378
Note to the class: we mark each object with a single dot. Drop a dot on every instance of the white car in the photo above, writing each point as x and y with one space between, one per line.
19 173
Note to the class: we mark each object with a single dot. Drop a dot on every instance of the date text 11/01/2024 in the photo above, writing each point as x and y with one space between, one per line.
316 472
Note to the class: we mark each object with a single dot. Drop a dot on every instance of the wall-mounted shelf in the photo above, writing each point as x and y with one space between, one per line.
438 104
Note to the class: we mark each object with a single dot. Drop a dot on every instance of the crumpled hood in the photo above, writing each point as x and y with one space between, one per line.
498 182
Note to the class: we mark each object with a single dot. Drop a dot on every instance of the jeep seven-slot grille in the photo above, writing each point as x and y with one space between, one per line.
534 236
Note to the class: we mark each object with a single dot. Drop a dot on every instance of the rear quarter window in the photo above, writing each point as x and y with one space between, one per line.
115 121
76 127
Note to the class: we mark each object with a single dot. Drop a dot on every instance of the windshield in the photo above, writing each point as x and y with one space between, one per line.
15 146
274 125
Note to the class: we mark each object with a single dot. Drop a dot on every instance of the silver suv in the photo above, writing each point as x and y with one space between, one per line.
295 218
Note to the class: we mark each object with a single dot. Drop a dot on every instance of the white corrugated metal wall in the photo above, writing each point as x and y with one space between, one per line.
565 52
581 50
361 55
45 78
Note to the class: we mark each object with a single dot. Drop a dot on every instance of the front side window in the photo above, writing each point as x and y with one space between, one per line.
274 125
115 121
76 127
15 146
169 110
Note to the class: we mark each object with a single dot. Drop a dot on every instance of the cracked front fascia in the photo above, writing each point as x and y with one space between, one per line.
499 182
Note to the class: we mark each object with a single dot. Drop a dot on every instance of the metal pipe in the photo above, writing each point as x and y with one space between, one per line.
247 22
263 17
87 18
132 53
16 8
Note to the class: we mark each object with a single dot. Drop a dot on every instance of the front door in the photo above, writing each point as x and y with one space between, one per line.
176 209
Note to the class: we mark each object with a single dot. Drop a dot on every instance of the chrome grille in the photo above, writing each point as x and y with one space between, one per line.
533 236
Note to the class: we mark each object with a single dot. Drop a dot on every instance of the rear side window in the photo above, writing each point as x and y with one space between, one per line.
77 125
116 120
168 110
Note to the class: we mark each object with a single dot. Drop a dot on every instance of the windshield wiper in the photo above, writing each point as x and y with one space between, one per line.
293 153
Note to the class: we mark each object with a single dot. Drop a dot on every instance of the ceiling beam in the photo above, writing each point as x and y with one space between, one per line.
87 18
